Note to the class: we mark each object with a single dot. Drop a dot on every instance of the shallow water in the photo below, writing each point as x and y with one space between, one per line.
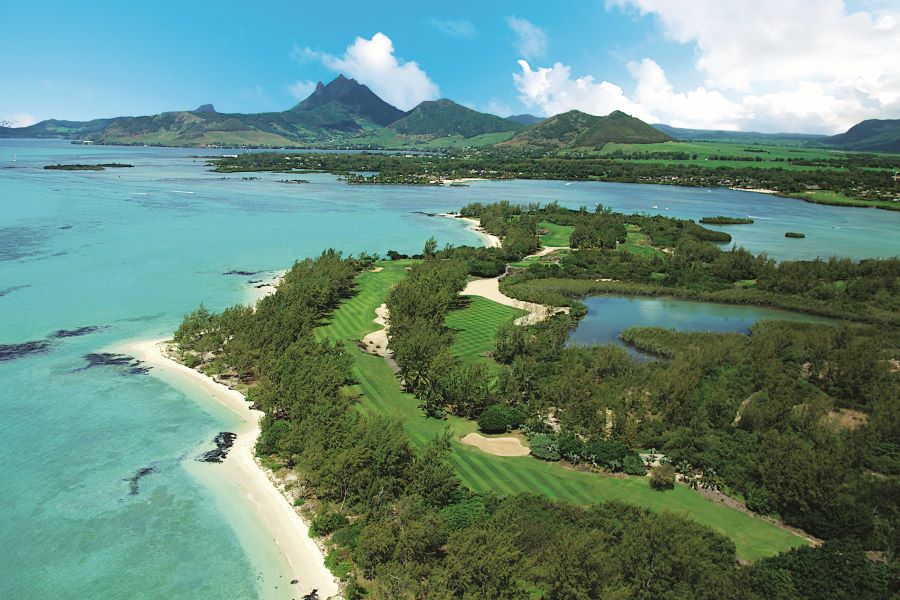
132 250
608 316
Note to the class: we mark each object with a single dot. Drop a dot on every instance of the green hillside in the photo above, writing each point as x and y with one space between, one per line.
444 117
873 135
575 129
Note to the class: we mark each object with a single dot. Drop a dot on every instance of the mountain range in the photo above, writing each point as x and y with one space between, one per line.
347 113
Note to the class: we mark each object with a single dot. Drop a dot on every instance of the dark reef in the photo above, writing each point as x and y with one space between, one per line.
133 481
78 331
224 441
242 273
14 351
10 290
132 366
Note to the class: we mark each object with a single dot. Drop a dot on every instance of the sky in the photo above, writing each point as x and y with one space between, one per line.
809 66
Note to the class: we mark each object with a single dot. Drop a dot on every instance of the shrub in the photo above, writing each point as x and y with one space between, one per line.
758 500
606 453
544 446
571 447
190 360
633 465
326 521
662 477
464 513
499 418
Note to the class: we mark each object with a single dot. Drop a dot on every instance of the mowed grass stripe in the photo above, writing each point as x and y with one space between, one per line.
475 326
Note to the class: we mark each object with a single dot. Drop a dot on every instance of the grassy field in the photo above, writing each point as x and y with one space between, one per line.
637 242
475 325
702 151
559 235
380 393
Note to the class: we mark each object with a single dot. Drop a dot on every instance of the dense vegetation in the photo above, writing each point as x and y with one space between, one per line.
726 220
796 420
864 180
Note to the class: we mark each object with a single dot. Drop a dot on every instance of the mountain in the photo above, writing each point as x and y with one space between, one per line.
54 128
873 135
339 110
346 99
575 129
525 119
437 118
737 137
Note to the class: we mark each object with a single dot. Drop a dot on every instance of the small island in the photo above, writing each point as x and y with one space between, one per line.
794 234
720 220
97 167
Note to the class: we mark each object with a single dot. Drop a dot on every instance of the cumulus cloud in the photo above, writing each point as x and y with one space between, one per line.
373 63
498 107
531 41
454 27
552 90
788 64
17 120
302 89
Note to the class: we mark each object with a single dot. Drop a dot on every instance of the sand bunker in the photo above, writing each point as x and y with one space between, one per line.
377 341
500 446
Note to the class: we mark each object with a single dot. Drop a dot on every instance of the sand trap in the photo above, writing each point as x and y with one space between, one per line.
377 341
490 289
501 446
548 250
286 528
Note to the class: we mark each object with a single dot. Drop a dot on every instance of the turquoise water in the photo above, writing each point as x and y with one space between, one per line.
608 316
830 230
130 251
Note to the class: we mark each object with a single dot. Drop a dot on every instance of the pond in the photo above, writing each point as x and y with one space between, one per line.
608 316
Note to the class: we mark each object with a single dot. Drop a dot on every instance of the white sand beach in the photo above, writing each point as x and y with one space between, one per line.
285 526
490 240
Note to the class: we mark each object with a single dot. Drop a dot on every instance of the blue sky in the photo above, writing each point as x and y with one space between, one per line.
674 61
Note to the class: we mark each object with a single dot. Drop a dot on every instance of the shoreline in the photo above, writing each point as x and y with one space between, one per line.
254 484
490 240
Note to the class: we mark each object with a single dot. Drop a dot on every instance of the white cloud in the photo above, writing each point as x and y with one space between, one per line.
552 90
373 63
301 89
531 41
17 120
698 107
796 65
498 107
455 27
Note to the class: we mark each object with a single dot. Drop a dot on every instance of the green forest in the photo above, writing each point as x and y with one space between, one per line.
797 422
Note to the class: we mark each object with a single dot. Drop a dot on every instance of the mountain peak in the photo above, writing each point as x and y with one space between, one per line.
351 99
205 108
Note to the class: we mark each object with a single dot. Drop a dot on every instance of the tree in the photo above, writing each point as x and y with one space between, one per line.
430 248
